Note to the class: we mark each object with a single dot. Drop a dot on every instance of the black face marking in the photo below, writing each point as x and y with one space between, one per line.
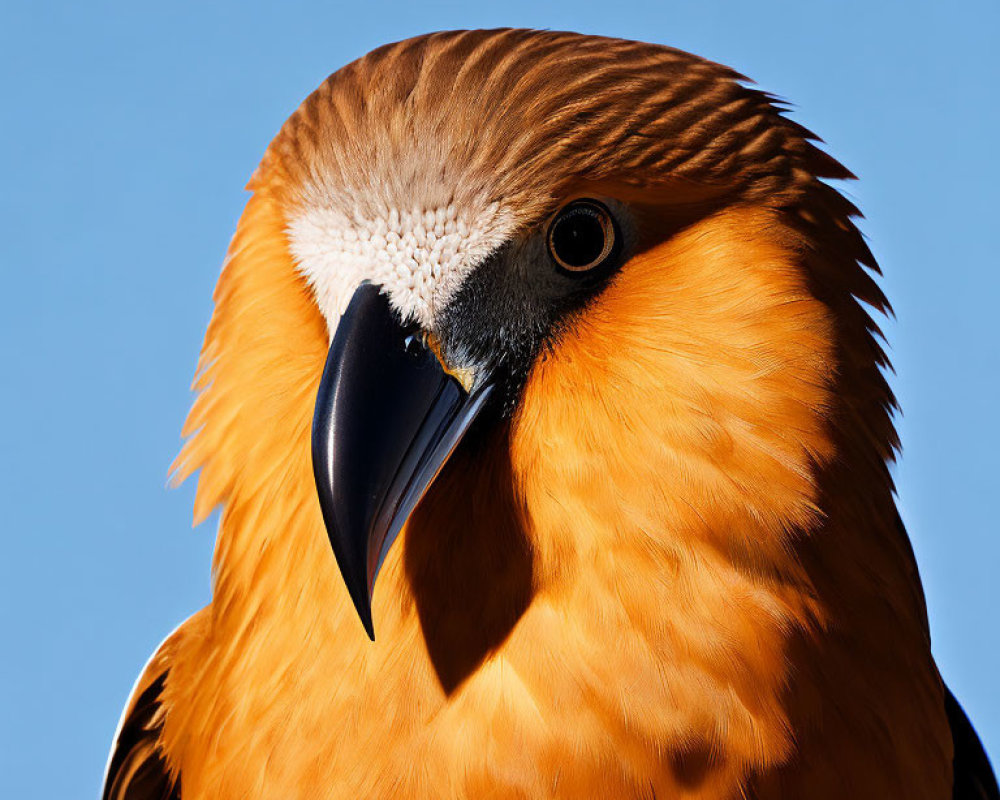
511 307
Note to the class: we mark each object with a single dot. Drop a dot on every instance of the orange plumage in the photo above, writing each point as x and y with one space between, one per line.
675 570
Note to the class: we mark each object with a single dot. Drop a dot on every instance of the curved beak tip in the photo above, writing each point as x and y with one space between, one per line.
365 615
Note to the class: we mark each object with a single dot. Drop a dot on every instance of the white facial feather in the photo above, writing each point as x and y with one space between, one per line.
419 257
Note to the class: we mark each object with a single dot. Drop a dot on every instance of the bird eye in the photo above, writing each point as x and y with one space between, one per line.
582 237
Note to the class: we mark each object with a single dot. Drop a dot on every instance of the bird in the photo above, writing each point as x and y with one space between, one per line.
546 409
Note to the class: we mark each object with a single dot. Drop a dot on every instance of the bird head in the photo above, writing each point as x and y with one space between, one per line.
615 252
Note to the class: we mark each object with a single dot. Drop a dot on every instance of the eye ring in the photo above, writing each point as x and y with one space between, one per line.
582 237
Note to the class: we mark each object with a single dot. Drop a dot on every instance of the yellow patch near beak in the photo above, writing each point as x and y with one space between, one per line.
466 376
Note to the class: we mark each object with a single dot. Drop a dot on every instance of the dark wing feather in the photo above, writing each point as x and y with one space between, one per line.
973 775
974 778
137 770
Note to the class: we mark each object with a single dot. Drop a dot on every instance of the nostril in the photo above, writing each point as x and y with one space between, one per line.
413 344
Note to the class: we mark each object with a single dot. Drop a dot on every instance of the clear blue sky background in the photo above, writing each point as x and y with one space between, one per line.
128 131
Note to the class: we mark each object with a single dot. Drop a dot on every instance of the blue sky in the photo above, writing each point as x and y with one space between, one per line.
128 131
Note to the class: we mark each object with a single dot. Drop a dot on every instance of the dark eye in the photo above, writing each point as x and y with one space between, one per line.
583 237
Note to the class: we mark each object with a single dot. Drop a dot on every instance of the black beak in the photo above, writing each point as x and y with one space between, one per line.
387 417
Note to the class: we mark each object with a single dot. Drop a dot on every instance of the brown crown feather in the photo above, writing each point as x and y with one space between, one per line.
519 113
